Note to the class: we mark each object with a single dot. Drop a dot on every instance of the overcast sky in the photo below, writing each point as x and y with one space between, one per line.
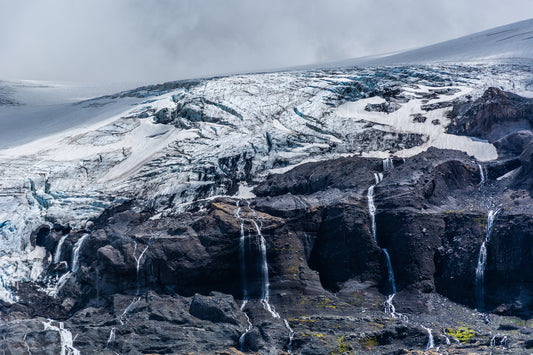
153 41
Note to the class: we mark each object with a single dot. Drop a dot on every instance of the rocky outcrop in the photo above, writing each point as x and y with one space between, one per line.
494 115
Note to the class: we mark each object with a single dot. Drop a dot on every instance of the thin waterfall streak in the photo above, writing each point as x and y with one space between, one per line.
76 254
138 265
57 254
65 337
482 261
265 283
388 164
431 343
248 328
111 339
390 272
482 178
124 316
242 255
291 335
265 294
265 291
480 277
390 309
378 177
446 338
372 211
389 306
491 216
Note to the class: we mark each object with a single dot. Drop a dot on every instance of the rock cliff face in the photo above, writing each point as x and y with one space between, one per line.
298 243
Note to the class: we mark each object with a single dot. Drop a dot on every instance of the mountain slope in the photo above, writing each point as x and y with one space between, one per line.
312 211
513 41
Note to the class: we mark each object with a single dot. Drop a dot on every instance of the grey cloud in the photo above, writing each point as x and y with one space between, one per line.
119 40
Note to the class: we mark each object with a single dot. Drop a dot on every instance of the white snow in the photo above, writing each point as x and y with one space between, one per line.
402 121
513 41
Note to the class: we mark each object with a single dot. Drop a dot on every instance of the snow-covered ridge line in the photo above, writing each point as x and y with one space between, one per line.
510 43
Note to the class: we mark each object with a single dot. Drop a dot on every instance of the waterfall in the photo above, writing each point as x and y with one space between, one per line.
263 262
265 291
431 343
482 177
504 341
493 341
490 221
389 307
62 281
446 338
291 335
388 164
111 339
378 177
482 261
65 336
372 210
57 253
248 328
480 276
76 256
242 255
138 263
123 317
390 272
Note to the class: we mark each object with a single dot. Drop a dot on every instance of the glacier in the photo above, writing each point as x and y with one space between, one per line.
168 148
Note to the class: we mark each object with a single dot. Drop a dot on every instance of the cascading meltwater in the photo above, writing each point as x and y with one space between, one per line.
482 261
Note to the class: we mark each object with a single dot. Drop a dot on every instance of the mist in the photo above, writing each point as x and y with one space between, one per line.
153 41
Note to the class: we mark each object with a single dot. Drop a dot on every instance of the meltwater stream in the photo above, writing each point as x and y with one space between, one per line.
138 260
65 337
390 272
482 177
482 261
389 306
57 253
388 164
251 244
371 206
431 342
76 253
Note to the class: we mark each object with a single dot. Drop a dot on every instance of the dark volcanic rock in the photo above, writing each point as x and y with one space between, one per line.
345 248
306 179
509 284
494 115
525 178
513 144
387 107
216 307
